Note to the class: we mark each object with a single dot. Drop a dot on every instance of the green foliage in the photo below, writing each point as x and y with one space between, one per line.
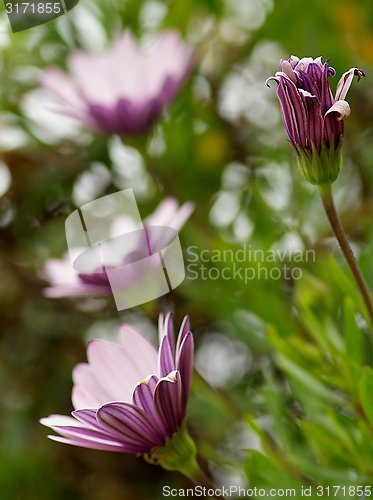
289 397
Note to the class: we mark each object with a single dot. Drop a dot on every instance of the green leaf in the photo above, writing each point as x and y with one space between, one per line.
264 471
308 381
353 335
366 393
348 286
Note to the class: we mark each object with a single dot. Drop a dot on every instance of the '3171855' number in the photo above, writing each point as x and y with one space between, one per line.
33 7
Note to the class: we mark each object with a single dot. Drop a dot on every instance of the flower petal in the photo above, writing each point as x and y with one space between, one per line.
130 423
112 370
286 68
315 120
292 110
168 401
89 438
161 332
345 82
168 213
97 445
184 364
138 350
166 359
87 391
340 107
88 418
169 331
56 292
87 434
62 420
119 368
184 329
56 80
86 69
143 394
143 397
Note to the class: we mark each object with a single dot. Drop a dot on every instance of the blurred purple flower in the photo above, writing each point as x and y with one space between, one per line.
310 112
65 281
128 398
124 90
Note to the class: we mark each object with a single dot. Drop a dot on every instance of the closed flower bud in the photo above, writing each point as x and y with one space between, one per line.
313 118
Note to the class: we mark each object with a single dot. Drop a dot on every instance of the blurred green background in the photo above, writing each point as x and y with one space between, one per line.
285 403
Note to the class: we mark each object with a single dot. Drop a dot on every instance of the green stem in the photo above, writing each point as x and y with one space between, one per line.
179 453
326 196
199 478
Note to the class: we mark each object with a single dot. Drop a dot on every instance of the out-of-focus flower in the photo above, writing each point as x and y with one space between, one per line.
313 118
128 398
65 281
124 90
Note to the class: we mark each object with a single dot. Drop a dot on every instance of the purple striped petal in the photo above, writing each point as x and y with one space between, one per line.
287 114
166 359
295 103
168 402
130 423
184 329
143 397
184 364
88 418
326 94
90 435
315 120
97 445
169 331
311 81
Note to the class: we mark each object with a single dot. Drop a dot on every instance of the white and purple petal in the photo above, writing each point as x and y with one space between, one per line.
342 108
184 329
130 423
98 444
166 358
184 364
105 94
345 82
143 397
168 401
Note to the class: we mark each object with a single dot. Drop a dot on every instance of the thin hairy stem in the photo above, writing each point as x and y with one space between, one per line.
326 196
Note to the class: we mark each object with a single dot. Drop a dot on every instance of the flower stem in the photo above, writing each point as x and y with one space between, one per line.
180 453
326 196
199 478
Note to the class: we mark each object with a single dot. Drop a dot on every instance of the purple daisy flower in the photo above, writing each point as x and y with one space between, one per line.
127 397
313 118
65 281
124 90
